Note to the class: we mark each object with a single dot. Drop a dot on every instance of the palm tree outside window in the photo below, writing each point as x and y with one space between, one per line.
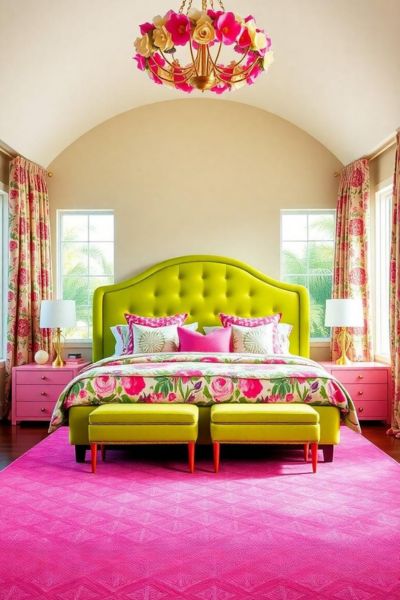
85 261
307 253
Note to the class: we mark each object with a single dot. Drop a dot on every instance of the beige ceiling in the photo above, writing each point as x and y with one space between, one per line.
65 67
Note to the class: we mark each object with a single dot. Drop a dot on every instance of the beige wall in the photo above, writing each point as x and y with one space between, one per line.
194 177
382 168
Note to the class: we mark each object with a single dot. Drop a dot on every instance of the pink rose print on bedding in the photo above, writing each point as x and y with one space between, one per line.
210 359
335 394
250 388
104 385
133 385
222 389
186 375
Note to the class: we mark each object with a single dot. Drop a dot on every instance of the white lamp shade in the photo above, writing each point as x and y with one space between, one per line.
345 312
57 313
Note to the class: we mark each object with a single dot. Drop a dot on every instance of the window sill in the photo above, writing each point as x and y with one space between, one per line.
320 344
77 343
382 359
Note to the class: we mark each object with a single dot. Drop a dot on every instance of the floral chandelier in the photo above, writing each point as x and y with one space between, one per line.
205 36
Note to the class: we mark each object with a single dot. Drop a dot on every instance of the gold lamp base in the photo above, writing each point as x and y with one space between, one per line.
344 341
57 345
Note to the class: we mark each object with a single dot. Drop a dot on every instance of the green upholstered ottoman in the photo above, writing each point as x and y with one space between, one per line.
143 424
265 424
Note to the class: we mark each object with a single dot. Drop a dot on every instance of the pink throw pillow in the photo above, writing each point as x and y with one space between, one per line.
193 341
228 320
132 320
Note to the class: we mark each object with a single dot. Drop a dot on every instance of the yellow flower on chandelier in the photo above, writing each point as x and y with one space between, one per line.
204 32
258 38
162 38
143 46
195 15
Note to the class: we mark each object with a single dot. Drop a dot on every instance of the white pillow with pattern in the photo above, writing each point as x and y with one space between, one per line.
255 340
148 340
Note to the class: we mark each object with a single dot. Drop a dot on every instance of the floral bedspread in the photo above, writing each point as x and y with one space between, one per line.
204 379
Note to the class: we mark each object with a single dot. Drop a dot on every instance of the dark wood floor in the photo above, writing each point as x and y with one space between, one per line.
15 441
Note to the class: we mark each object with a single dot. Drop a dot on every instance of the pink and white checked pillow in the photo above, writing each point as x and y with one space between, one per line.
228 320
132 320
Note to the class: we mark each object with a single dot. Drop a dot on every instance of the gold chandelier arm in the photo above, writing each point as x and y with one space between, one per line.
193 58
217 55
169 80
243 57
172 65
243 75
245 71
219 70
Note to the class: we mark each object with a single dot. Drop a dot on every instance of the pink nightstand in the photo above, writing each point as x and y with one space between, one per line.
368 384
36 388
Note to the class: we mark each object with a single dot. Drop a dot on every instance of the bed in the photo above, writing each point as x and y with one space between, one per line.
202 286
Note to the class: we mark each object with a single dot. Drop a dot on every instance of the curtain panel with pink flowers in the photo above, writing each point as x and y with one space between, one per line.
350 276
395 294
30 278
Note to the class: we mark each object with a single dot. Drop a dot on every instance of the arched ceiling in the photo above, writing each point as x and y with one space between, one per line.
65 67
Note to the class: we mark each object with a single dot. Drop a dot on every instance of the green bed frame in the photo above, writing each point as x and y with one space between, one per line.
203 286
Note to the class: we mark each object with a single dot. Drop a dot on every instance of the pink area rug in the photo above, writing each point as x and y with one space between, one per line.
143 528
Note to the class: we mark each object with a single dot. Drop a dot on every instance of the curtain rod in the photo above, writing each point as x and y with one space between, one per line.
378 152
4 151
9 155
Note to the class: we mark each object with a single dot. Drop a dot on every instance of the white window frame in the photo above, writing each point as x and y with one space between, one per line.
4 272
382 240
323 342
83 342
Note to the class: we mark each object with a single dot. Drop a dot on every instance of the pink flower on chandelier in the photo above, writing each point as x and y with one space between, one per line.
227 28
205 33
179 27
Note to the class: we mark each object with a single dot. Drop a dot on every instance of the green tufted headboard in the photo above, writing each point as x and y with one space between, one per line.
203 286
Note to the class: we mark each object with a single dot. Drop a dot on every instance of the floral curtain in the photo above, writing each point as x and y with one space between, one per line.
350 277
395 295
30 278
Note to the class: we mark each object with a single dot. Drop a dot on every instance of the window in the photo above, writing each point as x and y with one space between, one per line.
3 271
85 261
307 251
383 231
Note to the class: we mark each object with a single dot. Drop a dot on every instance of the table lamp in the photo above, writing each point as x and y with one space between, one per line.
344 312
57 314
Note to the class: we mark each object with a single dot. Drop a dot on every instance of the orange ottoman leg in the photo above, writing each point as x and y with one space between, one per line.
314 455
306 451
191 449
93 449
216 447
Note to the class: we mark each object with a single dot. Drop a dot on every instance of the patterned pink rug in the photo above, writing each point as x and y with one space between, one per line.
143 528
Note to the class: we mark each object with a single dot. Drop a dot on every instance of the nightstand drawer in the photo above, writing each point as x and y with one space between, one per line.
38 393
372 376
371 410
368 392
35 410
43 376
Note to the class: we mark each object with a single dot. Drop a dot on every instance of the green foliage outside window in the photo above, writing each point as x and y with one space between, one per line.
86 248
307 253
